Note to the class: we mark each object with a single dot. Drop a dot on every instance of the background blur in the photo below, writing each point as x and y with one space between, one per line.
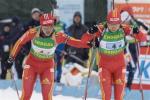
94 10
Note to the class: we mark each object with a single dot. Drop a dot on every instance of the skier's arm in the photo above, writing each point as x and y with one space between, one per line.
23 40
96 29
93 33
141 37
134 32
63 38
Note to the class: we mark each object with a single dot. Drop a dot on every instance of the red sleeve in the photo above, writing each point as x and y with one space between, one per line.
23 40
88 37
63 38
60 37
127 29
139 36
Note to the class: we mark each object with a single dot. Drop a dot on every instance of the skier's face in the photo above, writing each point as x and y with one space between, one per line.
113 27
47 30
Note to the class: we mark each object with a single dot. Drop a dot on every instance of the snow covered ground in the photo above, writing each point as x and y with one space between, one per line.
10 94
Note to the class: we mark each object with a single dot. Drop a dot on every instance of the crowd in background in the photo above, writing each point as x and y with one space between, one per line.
11 30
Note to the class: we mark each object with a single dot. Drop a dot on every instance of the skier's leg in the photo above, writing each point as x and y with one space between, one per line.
28 80
119 83
4 70
59 70
105 83
47 81
130 75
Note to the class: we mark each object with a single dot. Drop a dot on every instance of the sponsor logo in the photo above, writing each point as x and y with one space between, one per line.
114 19
48 22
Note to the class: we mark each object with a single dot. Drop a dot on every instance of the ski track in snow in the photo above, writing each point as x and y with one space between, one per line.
10 94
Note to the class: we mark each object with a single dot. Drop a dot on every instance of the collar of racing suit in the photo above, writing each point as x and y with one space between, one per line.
44 36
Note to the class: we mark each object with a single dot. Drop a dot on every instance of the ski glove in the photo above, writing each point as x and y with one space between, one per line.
93 29
92 43
9 63
135 30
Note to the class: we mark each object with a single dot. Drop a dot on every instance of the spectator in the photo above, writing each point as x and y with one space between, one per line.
35 14
17 30
76 30
5 45
131 49
59 26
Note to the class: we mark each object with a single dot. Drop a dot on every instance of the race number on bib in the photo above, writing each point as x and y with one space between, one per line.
112 45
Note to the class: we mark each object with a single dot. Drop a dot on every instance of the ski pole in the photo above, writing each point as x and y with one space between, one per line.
89 73
90 68
13 80
140 72
72 56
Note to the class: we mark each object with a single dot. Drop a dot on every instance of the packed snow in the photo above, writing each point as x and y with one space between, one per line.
10 94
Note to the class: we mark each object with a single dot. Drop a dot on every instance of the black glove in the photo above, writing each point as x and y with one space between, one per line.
92 43
148 32
135 30
97 42
93 29
9 63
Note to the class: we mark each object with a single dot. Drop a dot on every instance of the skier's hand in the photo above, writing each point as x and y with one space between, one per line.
93 43
9 63
90 43
135 30
93 29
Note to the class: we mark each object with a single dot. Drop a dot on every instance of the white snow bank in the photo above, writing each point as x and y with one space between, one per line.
10 94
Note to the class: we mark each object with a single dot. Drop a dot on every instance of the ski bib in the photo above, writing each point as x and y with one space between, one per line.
43 48
112 43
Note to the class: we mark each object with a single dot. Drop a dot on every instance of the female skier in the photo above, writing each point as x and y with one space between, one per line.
40 60
111 42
